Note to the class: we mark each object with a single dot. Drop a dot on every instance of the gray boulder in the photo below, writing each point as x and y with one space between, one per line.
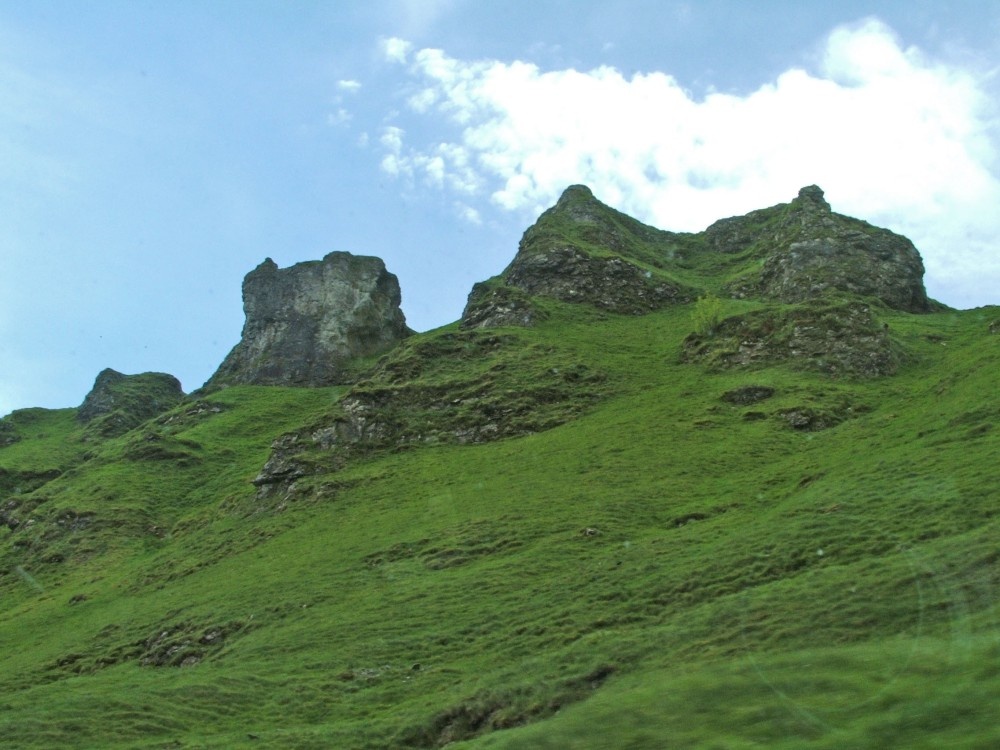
306 324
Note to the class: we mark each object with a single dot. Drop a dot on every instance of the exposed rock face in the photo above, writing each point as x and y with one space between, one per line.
580 250
571 275
101 398
118 402
492 305
808 252
748 394
838 340
306 323
413 397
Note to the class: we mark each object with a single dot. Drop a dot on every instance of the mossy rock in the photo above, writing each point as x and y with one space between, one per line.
840 339
118 403
582 251
802 251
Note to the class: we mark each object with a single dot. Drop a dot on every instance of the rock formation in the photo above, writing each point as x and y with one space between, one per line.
835 339
118 402
824 280
416 396
807 251
306 324
580 250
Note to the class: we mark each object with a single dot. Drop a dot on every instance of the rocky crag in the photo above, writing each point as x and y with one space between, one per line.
803 250
822 279
832 275
581 250
307 324
117 403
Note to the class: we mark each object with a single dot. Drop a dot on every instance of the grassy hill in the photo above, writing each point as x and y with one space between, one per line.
654 551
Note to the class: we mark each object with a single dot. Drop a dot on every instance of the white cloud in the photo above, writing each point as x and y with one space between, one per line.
392 139
350 87
892 136
417 17
468 213
395 49
339 117
392 142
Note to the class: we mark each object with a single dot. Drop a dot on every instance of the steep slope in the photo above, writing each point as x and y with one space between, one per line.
569 534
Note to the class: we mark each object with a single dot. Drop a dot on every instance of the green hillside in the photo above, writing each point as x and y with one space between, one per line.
602 530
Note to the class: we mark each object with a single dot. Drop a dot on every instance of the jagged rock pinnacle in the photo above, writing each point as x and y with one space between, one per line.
813 195
306 323
556 259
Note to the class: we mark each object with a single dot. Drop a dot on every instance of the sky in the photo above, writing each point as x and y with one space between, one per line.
153 153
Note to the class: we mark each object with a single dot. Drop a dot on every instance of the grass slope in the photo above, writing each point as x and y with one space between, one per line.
666 569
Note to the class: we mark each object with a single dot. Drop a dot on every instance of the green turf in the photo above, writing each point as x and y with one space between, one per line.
655 568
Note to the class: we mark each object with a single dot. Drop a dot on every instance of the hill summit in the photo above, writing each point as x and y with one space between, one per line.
581 250
118 402
804 250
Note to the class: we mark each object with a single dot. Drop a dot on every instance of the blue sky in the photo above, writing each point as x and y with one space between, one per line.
152 153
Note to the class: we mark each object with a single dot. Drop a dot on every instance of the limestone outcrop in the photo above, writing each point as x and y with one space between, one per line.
840 340
580 250
308 323
117 403
806 251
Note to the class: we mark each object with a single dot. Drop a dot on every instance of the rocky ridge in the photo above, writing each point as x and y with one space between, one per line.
581 250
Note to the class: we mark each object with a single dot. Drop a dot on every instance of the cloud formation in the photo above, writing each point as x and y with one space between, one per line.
892 136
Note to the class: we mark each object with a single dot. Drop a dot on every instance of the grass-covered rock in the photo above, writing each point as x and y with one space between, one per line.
802 250
582 251
839 338
117 403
